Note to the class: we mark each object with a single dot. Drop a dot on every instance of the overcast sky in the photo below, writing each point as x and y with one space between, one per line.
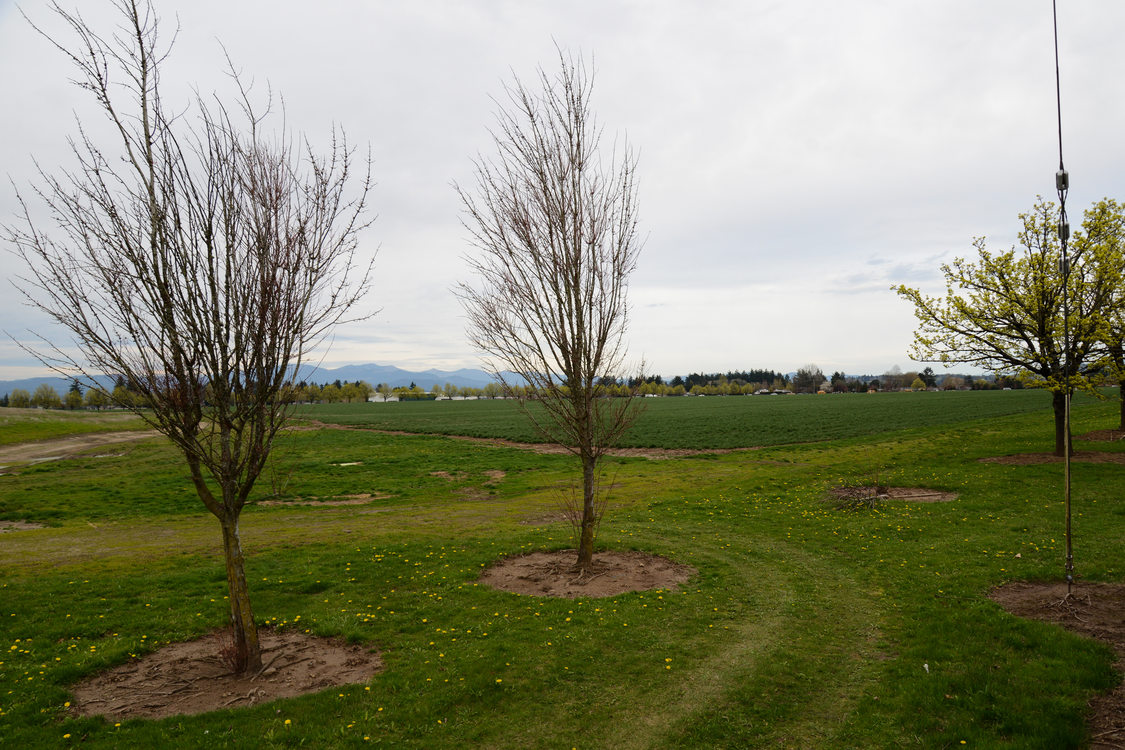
796 159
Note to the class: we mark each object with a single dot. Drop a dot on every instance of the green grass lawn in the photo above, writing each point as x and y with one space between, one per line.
23 425
805 627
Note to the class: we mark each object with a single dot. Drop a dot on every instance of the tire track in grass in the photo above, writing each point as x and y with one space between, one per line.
838 659
792 673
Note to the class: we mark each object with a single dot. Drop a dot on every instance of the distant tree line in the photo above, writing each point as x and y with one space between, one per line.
333 393
46 397
757 379
808 379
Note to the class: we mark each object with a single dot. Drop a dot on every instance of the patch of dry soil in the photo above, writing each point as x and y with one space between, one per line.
910 494
1093 610
1027 459
19 526
555 450
551 448
612 573
67 447
546 519
1102 435
544 448
190 678
341 500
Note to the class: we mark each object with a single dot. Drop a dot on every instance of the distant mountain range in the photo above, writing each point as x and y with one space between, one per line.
396 376
371 373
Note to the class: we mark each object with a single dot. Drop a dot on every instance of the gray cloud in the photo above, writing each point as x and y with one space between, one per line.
796 159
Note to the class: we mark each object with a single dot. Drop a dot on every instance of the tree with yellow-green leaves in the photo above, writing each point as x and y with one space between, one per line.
46 397
1111 229
1004 311
95 398
73 398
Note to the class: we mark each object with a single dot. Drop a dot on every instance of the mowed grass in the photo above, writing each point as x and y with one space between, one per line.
805 626
706 422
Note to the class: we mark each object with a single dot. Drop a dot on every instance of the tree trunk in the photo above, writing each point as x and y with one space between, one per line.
1058 402
1117 355
586 531
247 651
1121 400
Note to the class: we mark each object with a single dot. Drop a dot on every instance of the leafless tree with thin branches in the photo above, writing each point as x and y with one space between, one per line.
555 223
197 257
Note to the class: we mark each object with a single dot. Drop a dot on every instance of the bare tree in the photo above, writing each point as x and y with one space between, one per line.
200 263
556 226
808 379
892 378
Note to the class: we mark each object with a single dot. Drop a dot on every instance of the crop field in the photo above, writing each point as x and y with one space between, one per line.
804 626
708 422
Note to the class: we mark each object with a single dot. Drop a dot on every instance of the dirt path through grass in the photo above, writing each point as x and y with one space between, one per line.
550 449
59 448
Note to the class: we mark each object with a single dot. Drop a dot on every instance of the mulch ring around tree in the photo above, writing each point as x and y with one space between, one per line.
1091 457
1102 436
1028 459
870 495
1093 610
20 526
555 574
192 677
340 500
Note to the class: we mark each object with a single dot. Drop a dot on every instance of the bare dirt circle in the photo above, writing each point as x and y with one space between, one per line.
555 574
871 493
6 526
1093 610
1029 459
191 677
1102 435
340 500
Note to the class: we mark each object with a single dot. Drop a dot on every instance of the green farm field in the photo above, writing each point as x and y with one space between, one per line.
805 626
710 421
